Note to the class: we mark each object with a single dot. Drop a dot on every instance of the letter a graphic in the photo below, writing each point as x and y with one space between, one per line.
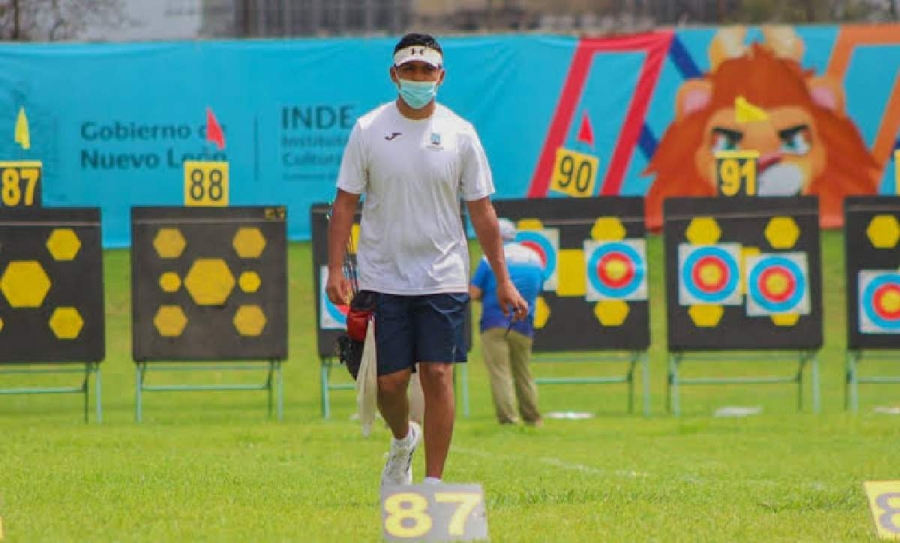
23 137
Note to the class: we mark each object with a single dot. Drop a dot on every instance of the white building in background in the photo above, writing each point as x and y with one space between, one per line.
152 20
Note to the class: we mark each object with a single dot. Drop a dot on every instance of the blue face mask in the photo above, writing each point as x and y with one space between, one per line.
417 94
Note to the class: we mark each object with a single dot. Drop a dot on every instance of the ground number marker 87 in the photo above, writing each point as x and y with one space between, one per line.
408 517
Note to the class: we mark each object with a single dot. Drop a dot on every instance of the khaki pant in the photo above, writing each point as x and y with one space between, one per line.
507 358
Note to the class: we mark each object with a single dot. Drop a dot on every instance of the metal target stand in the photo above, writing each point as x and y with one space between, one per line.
90 369
634 359
674 380
273 385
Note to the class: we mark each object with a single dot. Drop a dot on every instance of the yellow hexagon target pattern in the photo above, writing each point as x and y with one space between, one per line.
250 281
703 231
249 320
66 322
24 283
611 312
209 281
249 242
63 244
541 312
608 229
785 319
706 316
170 321
782 232
883 231
170 282
169 243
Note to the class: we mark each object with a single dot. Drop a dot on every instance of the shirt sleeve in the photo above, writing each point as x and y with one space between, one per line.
353 175
476 182
481 274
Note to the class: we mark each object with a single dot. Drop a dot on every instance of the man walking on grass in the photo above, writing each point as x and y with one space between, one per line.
415 159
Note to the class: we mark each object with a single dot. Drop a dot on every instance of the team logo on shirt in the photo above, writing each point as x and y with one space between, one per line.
393 136
436 141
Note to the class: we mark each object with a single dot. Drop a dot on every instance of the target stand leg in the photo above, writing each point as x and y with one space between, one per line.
325 369
645 378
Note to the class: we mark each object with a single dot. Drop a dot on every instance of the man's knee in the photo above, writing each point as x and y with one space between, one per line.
393 384
436 375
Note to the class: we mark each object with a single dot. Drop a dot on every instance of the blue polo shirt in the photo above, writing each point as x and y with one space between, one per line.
527 273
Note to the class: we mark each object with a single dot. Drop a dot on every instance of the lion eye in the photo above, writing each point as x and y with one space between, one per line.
795 140
725 139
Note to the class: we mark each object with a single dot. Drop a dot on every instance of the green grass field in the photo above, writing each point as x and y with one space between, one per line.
211 467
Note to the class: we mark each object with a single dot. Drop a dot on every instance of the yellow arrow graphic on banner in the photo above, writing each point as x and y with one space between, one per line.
23 137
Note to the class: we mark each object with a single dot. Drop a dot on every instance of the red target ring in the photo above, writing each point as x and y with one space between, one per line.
777 284
615 269
886 301
710 274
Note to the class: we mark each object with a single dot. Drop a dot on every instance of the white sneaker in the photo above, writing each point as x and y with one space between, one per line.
398 469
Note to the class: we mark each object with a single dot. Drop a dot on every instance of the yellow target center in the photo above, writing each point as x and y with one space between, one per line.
710 274
777 284
890 302
616 270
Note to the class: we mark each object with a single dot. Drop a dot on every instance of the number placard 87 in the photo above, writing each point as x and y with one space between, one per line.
574 173
20 183
205 183
434 513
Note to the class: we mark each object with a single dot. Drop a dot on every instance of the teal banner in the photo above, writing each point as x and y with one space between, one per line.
638 115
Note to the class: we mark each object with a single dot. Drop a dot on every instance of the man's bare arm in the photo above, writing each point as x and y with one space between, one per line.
339 226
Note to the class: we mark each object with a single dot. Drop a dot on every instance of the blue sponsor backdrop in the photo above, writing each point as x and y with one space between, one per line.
114 122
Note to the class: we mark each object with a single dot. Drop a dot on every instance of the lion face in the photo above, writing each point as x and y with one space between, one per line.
790 155
806 142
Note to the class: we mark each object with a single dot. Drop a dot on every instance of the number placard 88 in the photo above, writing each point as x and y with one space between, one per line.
205 183
20 183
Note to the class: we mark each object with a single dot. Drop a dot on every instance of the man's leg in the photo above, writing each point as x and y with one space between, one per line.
526 388
393 402
393 333
416 399
440 409
439 342
496 358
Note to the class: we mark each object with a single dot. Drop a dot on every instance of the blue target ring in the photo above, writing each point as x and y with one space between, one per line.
870 304
622 252
544 248
724 261
766 301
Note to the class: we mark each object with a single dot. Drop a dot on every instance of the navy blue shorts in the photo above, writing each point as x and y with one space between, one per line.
424 328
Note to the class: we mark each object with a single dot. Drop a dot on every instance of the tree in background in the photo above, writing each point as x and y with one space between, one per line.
54 20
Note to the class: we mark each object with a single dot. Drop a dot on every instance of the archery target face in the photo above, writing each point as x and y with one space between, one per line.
331 317
616 270
546 244
709 274
777 283
879 302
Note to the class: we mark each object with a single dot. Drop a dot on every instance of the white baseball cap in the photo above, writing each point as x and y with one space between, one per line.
507 229
419 53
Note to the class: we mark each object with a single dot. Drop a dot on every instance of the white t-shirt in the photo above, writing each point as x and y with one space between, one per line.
414 173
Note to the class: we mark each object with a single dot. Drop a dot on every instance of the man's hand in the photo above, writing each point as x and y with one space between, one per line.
511 302
338 288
